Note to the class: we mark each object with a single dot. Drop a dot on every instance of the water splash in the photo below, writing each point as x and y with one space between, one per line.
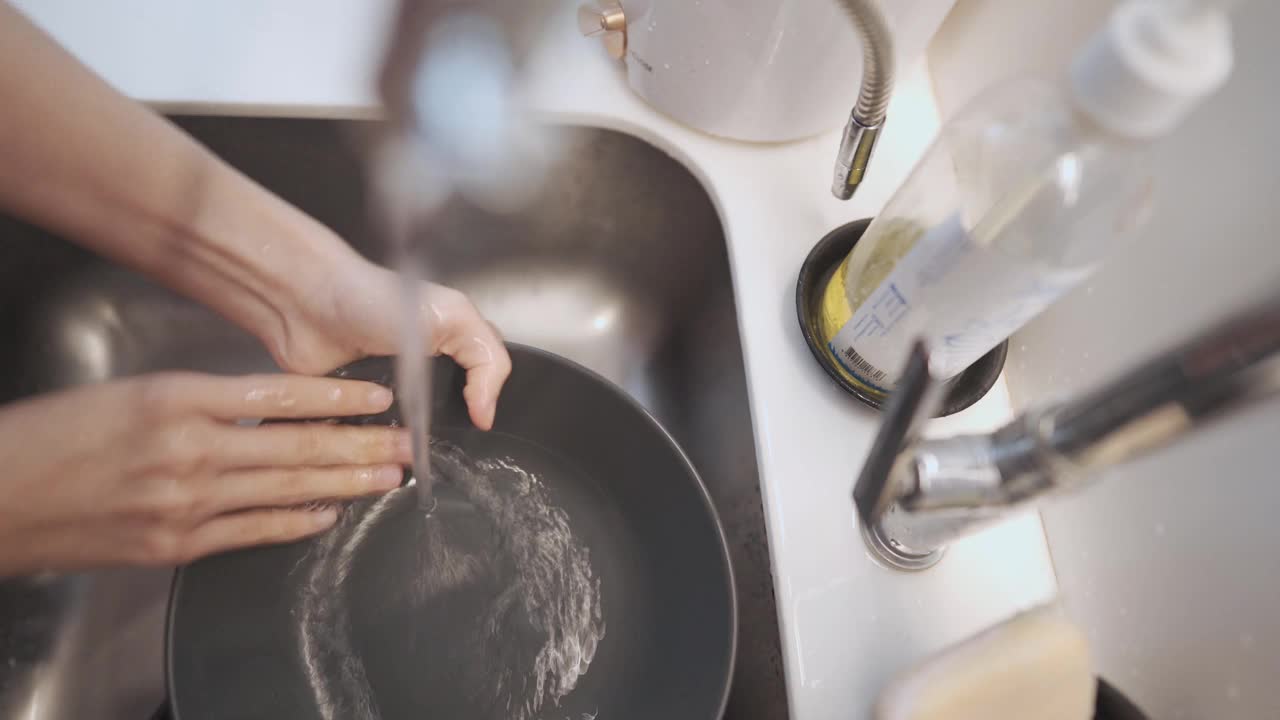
497 609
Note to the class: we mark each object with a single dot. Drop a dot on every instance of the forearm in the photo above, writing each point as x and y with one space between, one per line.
78 158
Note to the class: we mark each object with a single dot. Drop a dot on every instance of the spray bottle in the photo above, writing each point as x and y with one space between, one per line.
1021 196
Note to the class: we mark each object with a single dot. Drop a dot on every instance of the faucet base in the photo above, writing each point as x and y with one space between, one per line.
892 554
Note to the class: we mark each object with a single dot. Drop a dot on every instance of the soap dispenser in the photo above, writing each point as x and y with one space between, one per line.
1020 197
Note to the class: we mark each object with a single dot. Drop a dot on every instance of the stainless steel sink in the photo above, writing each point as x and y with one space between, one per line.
621 265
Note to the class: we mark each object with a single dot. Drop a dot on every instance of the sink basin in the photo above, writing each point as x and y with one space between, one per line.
620 265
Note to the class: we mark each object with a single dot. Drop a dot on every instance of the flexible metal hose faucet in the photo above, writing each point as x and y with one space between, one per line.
915 495
865 122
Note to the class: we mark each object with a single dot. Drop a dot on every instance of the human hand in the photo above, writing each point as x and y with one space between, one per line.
203 228
355 313
154 470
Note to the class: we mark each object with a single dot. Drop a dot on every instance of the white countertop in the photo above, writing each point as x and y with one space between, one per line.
847 623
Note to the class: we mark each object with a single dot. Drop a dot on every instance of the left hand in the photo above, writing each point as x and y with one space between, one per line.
355 313
154 469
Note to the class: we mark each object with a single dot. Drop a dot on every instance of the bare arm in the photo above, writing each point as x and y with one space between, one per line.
82 160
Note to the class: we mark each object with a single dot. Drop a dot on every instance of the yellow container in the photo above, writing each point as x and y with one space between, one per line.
861 272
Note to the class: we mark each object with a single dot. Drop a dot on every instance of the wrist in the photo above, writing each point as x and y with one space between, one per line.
262 262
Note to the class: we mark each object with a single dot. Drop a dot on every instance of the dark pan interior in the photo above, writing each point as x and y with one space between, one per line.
632 497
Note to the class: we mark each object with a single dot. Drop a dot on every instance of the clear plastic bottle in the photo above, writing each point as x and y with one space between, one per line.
1015 204
1019 199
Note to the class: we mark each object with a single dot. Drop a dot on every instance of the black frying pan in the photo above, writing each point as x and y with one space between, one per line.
252 634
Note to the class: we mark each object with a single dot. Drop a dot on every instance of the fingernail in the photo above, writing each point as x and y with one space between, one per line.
387 478
380 398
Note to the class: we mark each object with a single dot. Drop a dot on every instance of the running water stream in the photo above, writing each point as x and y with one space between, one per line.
398 177
413 375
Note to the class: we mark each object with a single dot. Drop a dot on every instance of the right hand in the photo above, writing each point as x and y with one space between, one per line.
154 470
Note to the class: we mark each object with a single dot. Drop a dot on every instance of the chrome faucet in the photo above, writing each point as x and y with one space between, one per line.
915 495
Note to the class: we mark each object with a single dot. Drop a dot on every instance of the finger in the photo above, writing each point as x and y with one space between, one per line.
267 396
464 335
253 528
310 444
243 489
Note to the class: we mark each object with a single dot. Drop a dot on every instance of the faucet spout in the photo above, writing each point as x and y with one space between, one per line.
863 129
856 148
929 492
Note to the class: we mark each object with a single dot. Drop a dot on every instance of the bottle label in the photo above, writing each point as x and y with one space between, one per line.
962 299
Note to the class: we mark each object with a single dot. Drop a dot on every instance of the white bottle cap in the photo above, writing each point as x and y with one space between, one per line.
1151 64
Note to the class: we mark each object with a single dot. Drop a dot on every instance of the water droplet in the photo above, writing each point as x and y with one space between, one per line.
666 66
1159 529
1233 692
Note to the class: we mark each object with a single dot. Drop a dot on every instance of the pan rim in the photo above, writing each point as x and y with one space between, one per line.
703 493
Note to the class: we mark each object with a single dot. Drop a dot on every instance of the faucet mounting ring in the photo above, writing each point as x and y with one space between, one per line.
893 554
